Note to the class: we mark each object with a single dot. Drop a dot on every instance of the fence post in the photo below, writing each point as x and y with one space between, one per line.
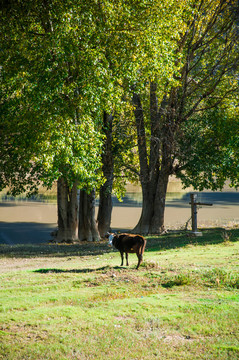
195 231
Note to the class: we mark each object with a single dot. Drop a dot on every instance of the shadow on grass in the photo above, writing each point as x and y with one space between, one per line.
50 250
178 240
79 271
154 243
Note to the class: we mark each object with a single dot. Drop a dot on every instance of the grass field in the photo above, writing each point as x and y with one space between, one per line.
75 302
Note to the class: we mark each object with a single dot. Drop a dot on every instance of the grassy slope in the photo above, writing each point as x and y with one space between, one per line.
75 302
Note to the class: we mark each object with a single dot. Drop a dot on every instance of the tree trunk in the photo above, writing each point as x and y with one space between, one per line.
87 224
154 168
143 226
153 208
148 187
157 220
105 202
67 209
105 208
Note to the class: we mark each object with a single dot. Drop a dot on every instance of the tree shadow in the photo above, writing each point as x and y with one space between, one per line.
210 236
77 271
22 233
171 240
54 250
8 204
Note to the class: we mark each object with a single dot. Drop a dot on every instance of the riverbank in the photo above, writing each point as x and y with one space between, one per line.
32 222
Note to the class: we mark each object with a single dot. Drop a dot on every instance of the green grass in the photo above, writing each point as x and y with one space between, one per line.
76 302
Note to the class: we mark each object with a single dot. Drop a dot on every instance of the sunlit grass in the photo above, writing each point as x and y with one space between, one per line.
75 302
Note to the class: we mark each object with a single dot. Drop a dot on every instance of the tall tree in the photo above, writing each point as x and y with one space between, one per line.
105 198
47 127
119 163
65 63
140 46
62 63
207 77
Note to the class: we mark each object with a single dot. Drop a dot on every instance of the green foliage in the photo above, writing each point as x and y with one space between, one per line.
209 149
208 146
46 126
64 63
61 68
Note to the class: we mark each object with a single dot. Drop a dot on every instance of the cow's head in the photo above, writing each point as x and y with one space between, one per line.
110 237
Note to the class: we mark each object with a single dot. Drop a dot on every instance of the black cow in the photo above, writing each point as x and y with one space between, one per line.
128 243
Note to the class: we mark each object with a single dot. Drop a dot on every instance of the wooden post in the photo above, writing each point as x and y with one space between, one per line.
194 204
195 231
194 211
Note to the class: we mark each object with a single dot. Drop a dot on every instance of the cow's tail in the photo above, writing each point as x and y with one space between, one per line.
142 247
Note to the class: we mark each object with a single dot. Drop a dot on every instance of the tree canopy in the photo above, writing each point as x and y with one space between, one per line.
172 65
63 64
174 122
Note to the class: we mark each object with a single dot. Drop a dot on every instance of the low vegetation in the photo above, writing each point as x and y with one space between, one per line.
76 302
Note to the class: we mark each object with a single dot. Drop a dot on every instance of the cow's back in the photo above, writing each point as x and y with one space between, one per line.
128 242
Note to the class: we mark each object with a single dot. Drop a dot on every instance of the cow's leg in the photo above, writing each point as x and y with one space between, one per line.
126 255
122 258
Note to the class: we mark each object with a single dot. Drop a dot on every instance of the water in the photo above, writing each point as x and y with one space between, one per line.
134 198
218 198
224 211
25 220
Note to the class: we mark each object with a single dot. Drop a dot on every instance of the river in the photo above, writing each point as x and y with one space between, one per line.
27 221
